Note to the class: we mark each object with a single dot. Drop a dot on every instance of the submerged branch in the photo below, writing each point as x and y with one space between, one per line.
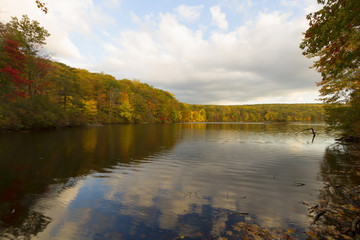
318 216
313 132
237 213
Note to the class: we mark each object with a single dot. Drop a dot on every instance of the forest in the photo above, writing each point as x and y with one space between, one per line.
36 92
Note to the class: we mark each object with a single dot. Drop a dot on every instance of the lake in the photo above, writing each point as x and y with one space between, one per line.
165 181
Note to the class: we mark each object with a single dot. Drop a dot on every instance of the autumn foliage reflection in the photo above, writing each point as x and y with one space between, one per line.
46 162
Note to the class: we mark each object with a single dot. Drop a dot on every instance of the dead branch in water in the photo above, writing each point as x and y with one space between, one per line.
313 132
318 216
298 184
237 213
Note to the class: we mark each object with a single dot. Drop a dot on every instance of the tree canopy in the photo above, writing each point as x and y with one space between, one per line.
21 64
333 39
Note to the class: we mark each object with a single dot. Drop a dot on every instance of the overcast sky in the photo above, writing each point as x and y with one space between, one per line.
205 52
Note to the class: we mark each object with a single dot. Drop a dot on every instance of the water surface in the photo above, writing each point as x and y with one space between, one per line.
158 181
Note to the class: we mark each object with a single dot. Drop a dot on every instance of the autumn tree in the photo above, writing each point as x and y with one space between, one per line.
333 39
12 62
126 109
31 37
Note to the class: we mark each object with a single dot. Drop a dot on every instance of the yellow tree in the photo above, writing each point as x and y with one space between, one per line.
126 109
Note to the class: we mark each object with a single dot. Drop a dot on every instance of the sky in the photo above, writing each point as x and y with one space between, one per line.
224 52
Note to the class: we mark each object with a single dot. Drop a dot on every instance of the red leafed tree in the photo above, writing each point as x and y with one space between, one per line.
31 36
12 62
42 67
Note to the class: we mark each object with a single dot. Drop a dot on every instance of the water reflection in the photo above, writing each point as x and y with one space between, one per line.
38 163
158 181
339 202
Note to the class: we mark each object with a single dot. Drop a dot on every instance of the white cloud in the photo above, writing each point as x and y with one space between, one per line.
312 7
135 18
80 16
112 3
257 61
240 6
189 13
219 18
63 48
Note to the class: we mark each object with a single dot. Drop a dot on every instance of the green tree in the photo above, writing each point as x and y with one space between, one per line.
333 38
64 86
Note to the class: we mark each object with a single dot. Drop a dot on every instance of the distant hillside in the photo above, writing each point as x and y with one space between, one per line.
256 113
67 96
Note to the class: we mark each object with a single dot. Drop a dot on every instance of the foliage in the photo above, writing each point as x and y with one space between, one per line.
345 118
12 61
254 113
244 230
21 65
29 33
42 6
125 107
333 38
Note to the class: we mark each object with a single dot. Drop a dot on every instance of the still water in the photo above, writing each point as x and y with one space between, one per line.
171 181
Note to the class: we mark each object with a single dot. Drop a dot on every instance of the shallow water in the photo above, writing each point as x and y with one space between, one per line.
158 181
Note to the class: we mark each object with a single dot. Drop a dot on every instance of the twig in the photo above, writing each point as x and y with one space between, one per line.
188 194
318 216
298 184
237 213
356 226
197 193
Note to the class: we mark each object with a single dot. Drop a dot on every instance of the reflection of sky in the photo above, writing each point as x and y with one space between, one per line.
190 189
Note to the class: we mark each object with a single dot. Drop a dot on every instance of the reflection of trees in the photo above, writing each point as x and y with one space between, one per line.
251 127
23 227
339 202
31 163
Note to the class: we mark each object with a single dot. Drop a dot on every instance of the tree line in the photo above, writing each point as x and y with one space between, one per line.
254 113
36 92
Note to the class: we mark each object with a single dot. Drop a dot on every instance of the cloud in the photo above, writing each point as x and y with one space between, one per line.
112 3
62 47
240 6
189 13
258 61
219 18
